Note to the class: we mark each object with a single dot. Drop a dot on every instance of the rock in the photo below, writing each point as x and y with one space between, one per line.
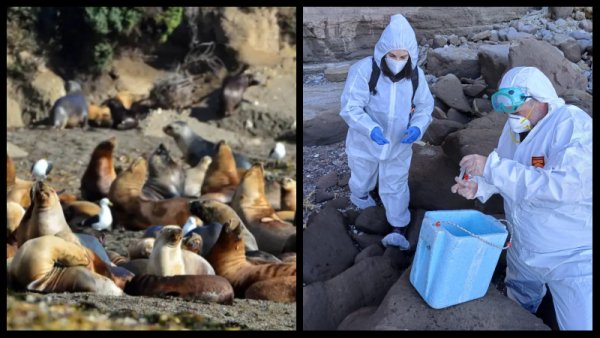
439 41
321 195
579 98
400 258
404 309
559 38
482 35
438 113
458 117
460 61
322 123
585 45
343 180
327 247
351 215
372 220
463 40
562 73
338 203
48 87
526 28
449 90
370 251
453 40
414 228
482 106
494 35
571 50
15 152
337 73
560 12
479 137
579 16
475 89
327 181
579 35
430 177
326 304
511 36
494 62
13 113
365 240
358 320
438 129
586 25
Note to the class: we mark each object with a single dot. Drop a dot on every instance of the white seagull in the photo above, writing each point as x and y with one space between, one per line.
189 225
103 220
41 169
278 152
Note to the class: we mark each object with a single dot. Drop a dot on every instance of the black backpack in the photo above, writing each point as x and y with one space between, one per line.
375 76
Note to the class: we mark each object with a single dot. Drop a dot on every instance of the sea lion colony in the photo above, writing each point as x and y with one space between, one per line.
237 244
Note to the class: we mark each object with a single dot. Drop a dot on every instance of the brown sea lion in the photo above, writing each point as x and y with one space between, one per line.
136 212
51 264
193 147
43 217
193 243
221 176
137 266
17 190
233 90
100 172
272 234
78 211
126 98
116 258
141 248
165 176
214 289
66 198
194 177
229 260
123 118
279 289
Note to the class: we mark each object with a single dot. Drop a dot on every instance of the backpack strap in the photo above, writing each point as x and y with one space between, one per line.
415 84
374 77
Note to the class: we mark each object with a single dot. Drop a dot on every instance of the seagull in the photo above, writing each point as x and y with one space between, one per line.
41 169
278 152
189 225
103 220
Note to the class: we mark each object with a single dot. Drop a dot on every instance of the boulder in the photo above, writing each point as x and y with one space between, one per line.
456 116
449 89
571 50
337 72
327 181
460 61
373 221
322 123
13 113
370 251
580 99
438 129
494 62
560 12
14 151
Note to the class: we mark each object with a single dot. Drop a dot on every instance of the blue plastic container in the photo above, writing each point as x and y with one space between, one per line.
452 266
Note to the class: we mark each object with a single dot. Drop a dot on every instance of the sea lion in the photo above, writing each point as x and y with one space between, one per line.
78 211
194 177
165 176
272 234
193 243
279 289
215 289
100 172
43 217
99 116
273 193
141 248
195 264
17 190
261 257
66 198
70 110
233 90
15 213
195 147
116 258
137 213
122 117
212 211
51 264
137 266
208 232
221 176
126 98
229 260
288 200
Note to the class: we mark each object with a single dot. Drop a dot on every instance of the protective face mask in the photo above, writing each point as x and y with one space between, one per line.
519 124
394 65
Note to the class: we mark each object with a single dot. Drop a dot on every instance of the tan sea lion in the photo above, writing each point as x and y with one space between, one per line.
166 177
193 243
195 264
194 177
43 217
141 248
136 212
166 258
100 172
15 213
229 260
66 198
17 190
212 211
272 234
273 192
279 289
99 116
51 264
78 211
126 98
221 176
116 258
214 289
288 194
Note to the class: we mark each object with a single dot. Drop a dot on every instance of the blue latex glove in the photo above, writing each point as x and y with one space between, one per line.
377 136
412 134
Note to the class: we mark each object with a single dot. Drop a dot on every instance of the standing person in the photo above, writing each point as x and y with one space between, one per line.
542 167
387 105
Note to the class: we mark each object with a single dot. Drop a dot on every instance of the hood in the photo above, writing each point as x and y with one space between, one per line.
397 35
534 83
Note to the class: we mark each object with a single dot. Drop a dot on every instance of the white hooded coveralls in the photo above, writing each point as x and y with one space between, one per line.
550 207
389 109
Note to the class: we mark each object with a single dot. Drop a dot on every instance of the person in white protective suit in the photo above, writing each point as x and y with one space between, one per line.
542 167
384 122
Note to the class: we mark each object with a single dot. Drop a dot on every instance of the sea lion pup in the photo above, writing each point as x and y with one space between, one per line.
272 234
122 117
141 248
99 116
14 213
273 192
116 258
100 172
232 92
70 110
17 190
214 289
193 243
51 264
137 213
194 177
221 176
209 234
288 200
229 260
165 176
43 217
212 211
193 147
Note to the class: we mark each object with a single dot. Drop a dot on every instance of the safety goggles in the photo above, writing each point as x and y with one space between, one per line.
508 100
